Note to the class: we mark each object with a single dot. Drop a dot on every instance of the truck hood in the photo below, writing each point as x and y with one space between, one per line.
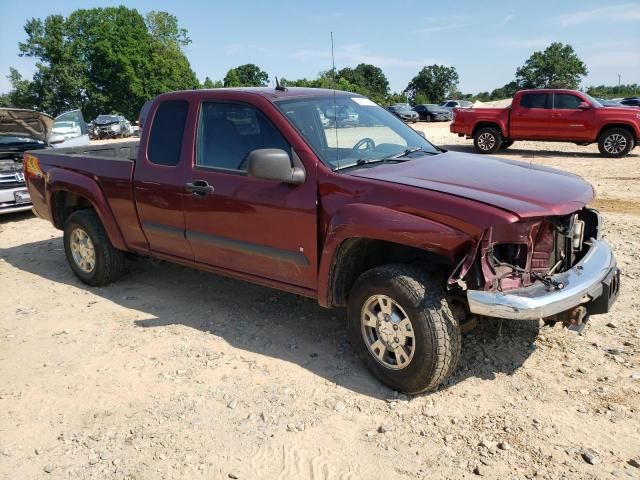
16 122
521 188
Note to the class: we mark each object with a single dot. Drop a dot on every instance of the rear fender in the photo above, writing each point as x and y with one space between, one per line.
60 180
380 223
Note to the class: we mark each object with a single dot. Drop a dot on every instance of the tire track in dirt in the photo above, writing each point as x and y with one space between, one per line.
291 462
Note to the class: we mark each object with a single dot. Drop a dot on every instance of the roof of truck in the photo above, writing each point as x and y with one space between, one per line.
273 94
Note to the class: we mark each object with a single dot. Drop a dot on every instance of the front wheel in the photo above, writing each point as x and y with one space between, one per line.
615 142
401 326
487 140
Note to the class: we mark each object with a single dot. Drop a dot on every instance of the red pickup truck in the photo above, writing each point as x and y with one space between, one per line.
412 239
551 115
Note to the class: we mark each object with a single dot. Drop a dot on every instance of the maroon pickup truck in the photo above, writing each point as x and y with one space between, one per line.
412 239
551 115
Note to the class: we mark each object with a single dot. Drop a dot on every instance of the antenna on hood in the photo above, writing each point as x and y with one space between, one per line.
335 108
280 88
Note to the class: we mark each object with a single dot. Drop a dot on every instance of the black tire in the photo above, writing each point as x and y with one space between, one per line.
436 345
506 144
108 262
428 118
487 140
615 142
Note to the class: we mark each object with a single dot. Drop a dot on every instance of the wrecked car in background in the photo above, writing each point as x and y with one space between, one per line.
22 130
110 126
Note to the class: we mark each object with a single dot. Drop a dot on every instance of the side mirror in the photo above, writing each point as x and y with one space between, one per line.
584 105
273 164
56 138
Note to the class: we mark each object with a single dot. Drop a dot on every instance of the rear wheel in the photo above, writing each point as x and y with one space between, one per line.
401 326
89 251
487 140
615 142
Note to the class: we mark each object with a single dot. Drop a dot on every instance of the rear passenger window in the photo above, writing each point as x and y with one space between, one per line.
566 101
228 132
167 130
536 100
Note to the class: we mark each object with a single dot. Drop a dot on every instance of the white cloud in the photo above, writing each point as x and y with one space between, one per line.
353 54
628 12
506 19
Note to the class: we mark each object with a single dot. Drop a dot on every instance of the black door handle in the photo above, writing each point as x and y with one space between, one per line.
199 188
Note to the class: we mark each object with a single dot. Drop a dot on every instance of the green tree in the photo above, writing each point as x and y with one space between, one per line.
614 91
248 75
164 28
434 82
506 91
208 83
369 78
557 67
105 60
21 94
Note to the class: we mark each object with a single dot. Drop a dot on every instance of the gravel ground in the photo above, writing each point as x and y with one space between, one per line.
176 373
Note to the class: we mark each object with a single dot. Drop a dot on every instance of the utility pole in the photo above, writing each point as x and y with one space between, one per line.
619 76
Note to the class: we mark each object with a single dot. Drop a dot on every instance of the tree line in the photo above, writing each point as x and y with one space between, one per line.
112 60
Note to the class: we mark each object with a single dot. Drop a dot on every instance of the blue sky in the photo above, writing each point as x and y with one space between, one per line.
485 41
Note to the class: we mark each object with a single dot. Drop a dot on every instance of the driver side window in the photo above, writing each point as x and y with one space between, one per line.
228 132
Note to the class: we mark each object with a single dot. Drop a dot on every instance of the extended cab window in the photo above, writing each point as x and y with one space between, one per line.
228 132
167 130
566 101
536 100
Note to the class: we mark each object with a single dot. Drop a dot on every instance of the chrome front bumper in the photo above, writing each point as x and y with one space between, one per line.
8 202
596 275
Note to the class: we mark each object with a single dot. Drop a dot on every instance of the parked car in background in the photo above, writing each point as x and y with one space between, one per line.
631 101
22 130
551 115
431 112
409 237
451 104
609 103
340 115
403 112
110 126
73 129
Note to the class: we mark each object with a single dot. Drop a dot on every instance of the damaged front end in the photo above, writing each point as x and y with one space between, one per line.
557 268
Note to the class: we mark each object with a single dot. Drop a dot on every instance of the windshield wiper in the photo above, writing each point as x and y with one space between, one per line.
364 161
408 151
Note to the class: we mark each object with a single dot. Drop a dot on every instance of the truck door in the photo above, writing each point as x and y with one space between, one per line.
569 121
532 118
158 180
235 222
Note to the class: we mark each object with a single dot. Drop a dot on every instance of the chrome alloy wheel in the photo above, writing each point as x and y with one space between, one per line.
387 332
615 144
486 141
82 250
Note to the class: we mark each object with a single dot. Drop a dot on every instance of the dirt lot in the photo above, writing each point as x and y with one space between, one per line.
175 373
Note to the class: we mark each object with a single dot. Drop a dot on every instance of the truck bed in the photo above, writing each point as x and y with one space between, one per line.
105 169
125 150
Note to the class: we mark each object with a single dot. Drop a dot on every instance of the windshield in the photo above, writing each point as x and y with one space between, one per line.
350 130
593 101
106 118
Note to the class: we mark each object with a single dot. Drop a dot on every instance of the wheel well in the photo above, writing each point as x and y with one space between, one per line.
357 255
64 204
480 125
624 126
